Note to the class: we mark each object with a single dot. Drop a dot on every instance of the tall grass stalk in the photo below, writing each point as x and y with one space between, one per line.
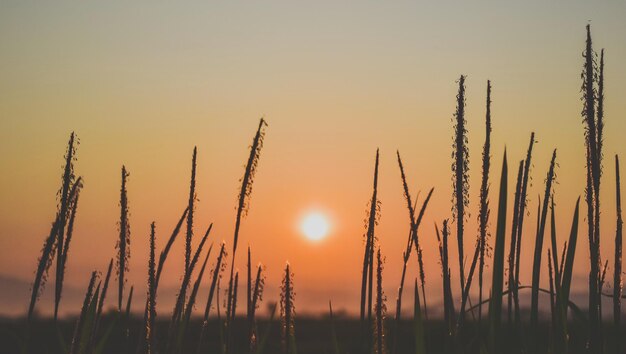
191 302
101 304
368 259
178 312
460 176
617 270
420 338
468 285
182 294
220 265
257 296
520 223
495 306
448 302
287 312
73 207
381 308
75 348
513 247
534 304
123 242
566 278
483 214
413 239
65 204
159 268
67 192
243 205
190 208
593 144
151 320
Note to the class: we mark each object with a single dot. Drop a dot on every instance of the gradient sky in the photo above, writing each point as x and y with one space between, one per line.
142 83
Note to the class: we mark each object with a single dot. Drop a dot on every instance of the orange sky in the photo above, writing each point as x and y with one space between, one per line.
142 84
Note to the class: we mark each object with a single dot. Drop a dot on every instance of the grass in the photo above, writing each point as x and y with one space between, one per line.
567 328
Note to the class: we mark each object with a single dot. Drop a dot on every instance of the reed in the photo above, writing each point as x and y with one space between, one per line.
448 302
566 273
98 315
150 327
182 294
73 207
51 245
287 312
418 324
617 270
80 323
64 209
495 306
593 154
413 239
220 266
129 303
162 258
182 330
243 205
552 296
513 246
366 278
166 250
534 304
381 308
254 294
123 242
460 176
190 208
257 296
468 285
178 312
483 214
559 317
520 226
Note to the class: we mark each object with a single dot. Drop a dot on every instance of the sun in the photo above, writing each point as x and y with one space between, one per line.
315 226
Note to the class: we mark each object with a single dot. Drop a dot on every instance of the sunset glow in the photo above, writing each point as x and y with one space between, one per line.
142 85
315 226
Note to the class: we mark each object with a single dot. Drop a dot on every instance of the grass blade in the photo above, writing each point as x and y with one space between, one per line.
495 306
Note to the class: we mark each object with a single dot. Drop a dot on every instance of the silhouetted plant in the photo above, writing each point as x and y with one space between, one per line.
219 268
65 204
593 139
67 193
190 208
413 239
534 301
521 210
367 276
460 176
80 323
495 305
448 302
381 308
123 242
243 206
483 214
617 270
512 248
150 323
287 312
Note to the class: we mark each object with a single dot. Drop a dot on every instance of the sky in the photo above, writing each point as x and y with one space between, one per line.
142 83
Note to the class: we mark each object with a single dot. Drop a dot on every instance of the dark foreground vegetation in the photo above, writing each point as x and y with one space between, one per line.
314 336
499 326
